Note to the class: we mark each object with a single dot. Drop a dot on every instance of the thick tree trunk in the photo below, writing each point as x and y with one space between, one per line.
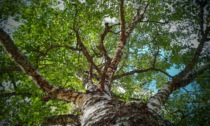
101 110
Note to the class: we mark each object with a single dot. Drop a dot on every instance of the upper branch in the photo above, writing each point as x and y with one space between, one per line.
122 20
105 54
123 36
115 61
139 71
111 66
102 48
57 46
204 35
135 21
85 52
155 54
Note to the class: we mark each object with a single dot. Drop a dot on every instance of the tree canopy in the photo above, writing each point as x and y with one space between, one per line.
126 48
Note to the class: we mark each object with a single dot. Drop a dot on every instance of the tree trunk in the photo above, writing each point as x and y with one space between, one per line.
101 110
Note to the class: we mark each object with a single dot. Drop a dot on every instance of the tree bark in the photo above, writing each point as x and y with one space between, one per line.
102 111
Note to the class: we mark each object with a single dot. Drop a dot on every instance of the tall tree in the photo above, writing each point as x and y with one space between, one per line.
92 60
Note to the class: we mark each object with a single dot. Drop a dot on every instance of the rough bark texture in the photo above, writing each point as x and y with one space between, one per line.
103 111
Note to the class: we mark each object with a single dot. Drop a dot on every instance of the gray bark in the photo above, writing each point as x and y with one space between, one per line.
100 110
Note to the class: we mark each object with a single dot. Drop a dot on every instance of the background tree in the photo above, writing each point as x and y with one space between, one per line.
96 60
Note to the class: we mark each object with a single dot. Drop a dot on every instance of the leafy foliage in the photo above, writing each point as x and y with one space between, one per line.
165 38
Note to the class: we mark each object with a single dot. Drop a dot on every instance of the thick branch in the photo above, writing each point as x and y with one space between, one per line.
123 35
161 97
116 59
25 65
63 120
118 54
23 62
190 76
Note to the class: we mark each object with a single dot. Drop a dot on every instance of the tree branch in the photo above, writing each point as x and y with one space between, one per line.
25 65
191 76
23 62
118 54
85 52
62 120
57 46
155 54
136 19
159 99
123 35
101 46
199 49
105 54
139 71
116 59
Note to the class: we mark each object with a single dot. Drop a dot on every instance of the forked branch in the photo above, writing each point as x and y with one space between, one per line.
110 70
85 52
124 34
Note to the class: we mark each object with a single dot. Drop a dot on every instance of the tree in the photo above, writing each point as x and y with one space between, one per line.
99 56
